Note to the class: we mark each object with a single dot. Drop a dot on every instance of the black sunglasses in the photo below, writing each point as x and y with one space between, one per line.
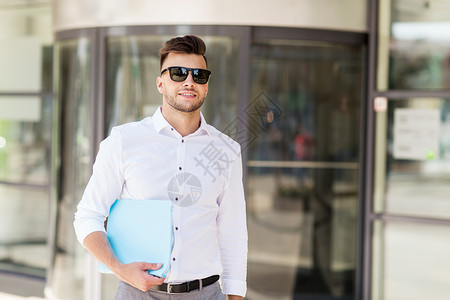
179 74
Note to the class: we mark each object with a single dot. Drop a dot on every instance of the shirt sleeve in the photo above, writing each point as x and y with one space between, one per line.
103 188
232 233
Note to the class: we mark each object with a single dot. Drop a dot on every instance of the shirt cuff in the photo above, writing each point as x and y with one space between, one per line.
234 287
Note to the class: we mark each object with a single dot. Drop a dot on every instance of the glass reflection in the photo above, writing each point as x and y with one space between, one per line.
25 129
411 261
26 60
25 141
73 91
303 170
132 69
419 47
416 183
23 240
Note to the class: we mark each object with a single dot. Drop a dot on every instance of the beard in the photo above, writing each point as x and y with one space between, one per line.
187 108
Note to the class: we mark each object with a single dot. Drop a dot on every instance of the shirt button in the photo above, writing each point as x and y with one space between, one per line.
179 168
182 141
172 129
176 228
176 199
173 259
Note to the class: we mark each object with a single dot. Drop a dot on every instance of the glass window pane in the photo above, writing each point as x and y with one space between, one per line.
24 221
414 45
25 48
25 137
132 69
411 261
302 185
416 160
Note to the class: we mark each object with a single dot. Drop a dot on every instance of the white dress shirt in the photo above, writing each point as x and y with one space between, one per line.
200 173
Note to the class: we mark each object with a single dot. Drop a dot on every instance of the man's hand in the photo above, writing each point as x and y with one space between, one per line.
136 274
234 297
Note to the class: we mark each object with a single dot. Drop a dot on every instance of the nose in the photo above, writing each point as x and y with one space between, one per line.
189 81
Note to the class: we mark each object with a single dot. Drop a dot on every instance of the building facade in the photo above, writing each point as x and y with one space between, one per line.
341 109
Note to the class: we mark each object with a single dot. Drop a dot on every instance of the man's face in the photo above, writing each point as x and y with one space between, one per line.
186 96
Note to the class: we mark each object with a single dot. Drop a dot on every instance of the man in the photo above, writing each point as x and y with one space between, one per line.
141 160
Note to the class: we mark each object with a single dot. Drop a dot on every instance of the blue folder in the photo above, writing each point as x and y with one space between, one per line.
141 231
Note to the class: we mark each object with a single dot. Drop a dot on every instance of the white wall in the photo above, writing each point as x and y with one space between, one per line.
350 15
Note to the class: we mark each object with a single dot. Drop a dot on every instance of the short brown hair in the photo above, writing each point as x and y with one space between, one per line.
189 44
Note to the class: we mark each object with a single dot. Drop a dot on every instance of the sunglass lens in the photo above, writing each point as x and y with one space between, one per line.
178 74
200 76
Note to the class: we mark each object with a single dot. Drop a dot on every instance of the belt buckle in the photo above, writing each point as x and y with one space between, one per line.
169 288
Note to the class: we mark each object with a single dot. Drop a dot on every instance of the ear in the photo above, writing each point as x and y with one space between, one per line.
159 84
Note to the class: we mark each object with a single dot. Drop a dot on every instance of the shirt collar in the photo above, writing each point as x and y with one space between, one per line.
159 122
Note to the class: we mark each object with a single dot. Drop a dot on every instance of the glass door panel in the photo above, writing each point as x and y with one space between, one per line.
73 87
131 93
303 169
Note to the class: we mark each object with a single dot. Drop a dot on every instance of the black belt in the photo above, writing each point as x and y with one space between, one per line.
187 286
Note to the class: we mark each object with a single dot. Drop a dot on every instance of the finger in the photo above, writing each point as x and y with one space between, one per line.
152 266
150 282
158 280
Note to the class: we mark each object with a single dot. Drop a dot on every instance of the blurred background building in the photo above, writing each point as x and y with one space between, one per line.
342 109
